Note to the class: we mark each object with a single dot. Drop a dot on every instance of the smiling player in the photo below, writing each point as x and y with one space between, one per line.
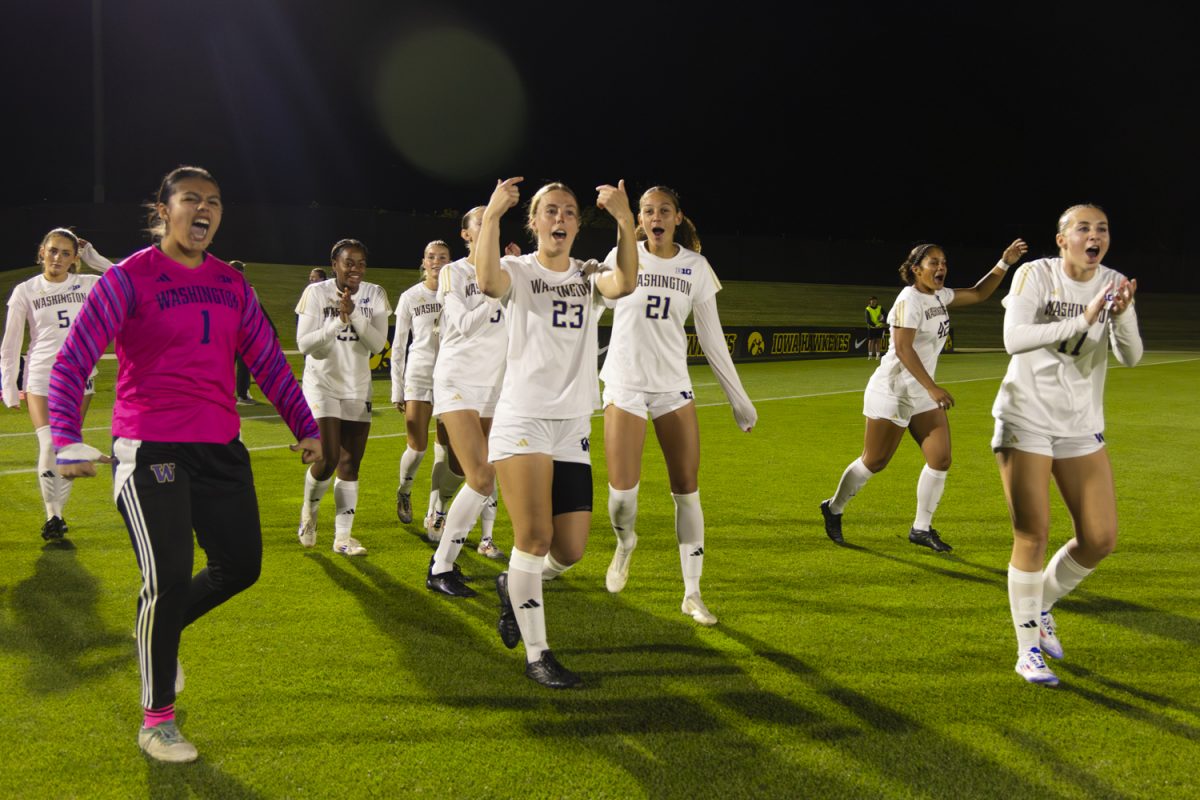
902 394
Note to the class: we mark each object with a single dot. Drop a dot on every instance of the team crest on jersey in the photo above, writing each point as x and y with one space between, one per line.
163 473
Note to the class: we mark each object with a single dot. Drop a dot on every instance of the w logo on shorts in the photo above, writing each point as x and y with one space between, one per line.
163 473
583 444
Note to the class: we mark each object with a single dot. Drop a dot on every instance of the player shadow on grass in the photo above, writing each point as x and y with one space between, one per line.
1125 708
198 779
1139 618
58 626
923 561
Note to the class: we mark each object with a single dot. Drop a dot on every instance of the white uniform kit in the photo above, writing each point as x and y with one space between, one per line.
645 370
49 309
893 393
550 385
474 344
1051 400
417 311
337 363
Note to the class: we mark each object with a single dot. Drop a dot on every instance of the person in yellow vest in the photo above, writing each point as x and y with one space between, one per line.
876 324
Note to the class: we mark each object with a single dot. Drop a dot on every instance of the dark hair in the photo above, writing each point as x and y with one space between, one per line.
914 259
240 266
156 226
320 272
346 244
63 232
685 232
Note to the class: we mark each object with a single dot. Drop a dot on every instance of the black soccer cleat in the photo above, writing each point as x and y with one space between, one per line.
54 529
929 539
448 583
506 626
551 674
833 523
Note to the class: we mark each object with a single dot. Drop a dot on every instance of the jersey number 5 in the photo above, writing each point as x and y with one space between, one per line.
567 316
64 319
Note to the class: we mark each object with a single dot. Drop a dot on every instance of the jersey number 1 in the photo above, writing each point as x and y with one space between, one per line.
204 336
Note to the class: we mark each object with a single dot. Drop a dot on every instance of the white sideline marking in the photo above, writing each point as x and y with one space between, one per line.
601 414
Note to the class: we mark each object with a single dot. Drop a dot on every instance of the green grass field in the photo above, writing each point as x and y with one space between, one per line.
873 670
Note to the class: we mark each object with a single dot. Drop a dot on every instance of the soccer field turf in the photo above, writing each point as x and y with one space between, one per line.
873 670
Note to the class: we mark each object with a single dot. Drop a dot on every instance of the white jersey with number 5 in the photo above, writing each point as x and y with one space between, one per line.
474 336
1058 388
337 363
925 313
552 318
49 309
648 349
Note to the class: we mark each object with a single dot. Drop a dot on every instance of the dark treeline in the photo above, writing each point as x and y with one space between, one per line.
291 235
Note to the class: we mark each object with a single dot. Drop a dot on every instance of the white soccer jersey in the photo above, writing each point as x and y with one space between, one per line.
648 348
337 361
926 313
552 318
417 311
474 333
49 309
1055 380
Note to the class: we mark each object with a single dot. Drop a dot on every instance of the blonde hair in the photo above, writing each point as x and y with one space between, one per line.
536 200
685 231
1065 217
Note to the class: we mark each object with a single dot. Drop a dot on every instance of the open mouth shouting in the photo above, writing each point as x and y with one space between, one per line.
198 233
558 235
1093 253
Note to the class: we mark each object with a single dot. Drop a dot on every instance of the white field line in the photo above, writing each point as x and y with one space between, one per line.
601 414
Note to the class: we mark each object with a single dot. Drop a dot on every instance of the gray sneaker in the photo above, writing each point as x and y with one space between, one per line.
164 742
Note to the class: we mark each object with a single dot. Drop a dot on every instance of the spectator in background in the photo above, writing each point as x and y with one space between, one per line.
876 323
242 382
317 275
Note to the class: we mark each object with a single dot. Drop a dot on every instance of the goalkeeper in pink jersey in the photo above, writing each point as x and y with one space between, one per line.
179 316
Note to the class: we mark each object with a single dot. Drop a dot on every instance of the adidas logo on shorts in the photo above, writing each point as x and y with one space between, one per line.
522 443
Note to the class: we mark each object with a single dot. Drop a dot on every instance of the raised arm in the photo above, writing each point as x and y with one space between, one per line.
93 260
372 331
712 339
1126 340
493 281
621 281
988 284
315 335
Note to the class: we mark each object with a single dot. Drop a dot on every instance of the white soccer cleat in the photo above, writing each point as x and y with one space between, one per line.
178 677
435 522
349 547
1048 639
488 549
618 570
694 607
164 742
1032 667
308 532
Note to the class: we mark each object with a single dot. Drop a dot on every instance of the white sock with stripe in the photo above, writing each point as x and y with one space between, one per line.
47 477
314 490
854 478
689 532
1025 603
525 593
463 512
930 486
345 500
1061 575
487 518
622 514
410 462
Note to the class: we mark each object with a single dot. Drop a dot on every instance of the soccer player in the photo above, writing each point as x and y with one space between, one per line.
645 374
316 275
178 316
342 321
902 394
466 387
876 317
539 438
49 303
1060 315
418 310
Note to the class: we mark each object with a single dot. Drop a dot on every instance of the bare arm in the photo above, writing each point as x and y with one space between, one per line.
988 284
621 281
902 343
493 281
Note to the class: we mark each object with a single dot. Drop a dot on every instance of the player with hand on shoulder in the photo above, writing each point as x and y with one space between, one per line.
645 374
902 394
539 441
1060 316
341 322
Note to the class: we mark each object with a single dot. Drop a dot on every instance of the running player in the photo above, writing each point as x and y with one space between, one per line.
539 438
417 311
902 394
178 316
342 321
1060 315
466 387
645 374
48 303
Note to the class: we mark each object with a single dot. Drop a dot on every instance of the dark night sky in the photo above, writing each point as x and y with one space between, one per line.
958 122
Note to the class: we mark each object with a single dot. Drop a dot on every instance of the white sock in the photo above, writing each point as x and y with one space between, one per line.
1061 575
930 486
622 513
487 519
314 490
463 512
410 462
689 532
854 478
436 478
62 492
552 568
46 475
345 499
525 593
446 483
1025 603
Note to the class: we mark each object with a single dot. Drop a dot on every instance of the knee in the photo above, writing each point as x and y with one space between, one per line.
484 479
939 462
568 554
535 539
233 578
875 463
1099 544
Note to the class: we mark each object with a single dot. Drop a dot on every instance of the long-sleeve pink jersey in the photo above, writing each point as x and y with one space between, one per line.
177 330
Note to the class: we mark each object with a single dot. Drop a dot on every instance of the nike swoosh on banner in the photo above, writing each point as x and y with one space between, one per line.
858 343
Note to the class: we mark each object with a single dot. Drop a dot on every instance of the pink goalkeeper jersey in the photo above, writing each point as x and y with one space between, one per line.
177 330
